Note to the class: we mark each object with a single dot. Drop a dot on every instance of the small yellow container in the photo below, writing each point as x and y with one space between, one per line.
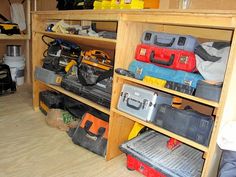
97 5
131 4
106 4
154 81
115 4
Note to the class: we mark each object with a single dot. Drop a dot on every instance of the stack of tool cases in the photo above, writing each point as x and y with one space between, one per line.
148 154
165 60
93 78
88 73
155 107
169 57
57 56
99 93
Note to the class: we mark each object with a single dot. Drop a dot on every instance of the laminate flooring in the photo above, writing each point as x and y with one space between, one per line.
30 148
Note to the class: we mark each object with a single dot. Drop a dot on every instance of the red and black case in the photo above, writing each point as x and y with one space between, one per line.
165 57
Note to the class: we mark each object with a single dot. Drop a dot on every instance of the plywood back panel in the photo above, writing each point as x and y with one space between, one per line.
201 4
46 4
213 4
5 7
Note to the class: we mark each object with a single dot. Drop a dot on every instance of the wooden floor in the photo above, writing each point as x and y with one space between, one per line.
30 148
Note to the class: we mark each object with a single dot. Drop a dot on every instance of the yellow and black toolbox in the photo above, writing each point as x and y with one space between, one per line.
8 28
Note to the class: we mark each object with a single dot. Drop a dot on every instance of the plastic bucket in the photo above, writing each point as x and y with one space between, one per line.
17 66
13 50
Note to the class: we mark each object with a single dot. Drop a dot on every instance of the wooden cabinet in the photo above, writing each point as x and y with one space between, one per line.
22 39
40 21
205 25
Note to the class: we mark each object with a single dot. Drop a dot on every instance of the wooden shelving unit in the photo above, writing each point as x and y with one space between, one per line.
205 25
25 38
40 20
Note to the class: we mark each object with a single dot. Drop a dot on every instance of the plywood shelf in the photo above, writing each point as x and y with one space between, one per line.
85 40
173 92
14 37
161 130
78 98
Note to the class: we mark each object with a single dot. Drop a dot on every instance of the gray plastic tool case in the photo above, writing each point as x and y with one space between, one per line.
208 91
173 41
47 76
141 102
150 148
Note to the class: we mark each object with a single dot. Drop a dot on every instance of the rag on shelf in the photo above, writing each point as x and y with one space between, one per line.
18 15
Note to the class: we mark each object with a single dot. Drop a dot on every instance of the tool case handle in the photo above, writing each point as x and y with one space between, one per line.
88 125
136 107
161 62
164 44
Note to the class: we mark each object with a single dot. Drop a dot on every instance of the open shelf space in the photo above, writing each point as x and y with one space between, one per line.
85 40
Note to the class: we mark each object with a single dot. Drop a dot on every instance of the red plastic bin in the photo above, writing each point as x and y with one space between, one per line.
135 164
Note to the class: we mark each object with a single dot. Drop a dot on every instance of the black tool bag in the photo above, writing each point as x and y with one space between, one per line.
92 83
59 53
187 123
50 99
92 133
90 76
74 107
6 83
94 93
52 63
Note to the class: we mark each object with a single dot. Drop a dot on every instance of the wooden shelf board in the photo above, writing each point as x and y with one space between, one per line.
86 40
14 37
78 98
183 95
161 130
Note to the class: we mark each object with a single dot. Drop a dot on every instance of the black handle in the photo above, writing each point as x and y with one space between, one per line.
87 126
104 75
165 44
3 18
203 54
161 62
133 106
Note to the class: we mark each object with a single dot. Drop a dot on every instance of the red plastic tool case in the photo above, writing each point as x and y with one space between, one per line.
165 57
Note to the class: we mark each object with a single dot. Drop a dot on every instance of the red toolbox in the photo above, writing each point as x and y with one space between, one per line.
151 154
134 164
165 57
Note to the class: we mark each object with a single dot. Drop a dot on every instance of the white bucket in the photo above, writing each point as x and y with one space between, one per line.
17 66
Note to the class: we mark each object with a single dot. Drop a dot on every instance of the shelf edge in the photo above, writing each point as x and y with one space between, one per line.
78 98
161 130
